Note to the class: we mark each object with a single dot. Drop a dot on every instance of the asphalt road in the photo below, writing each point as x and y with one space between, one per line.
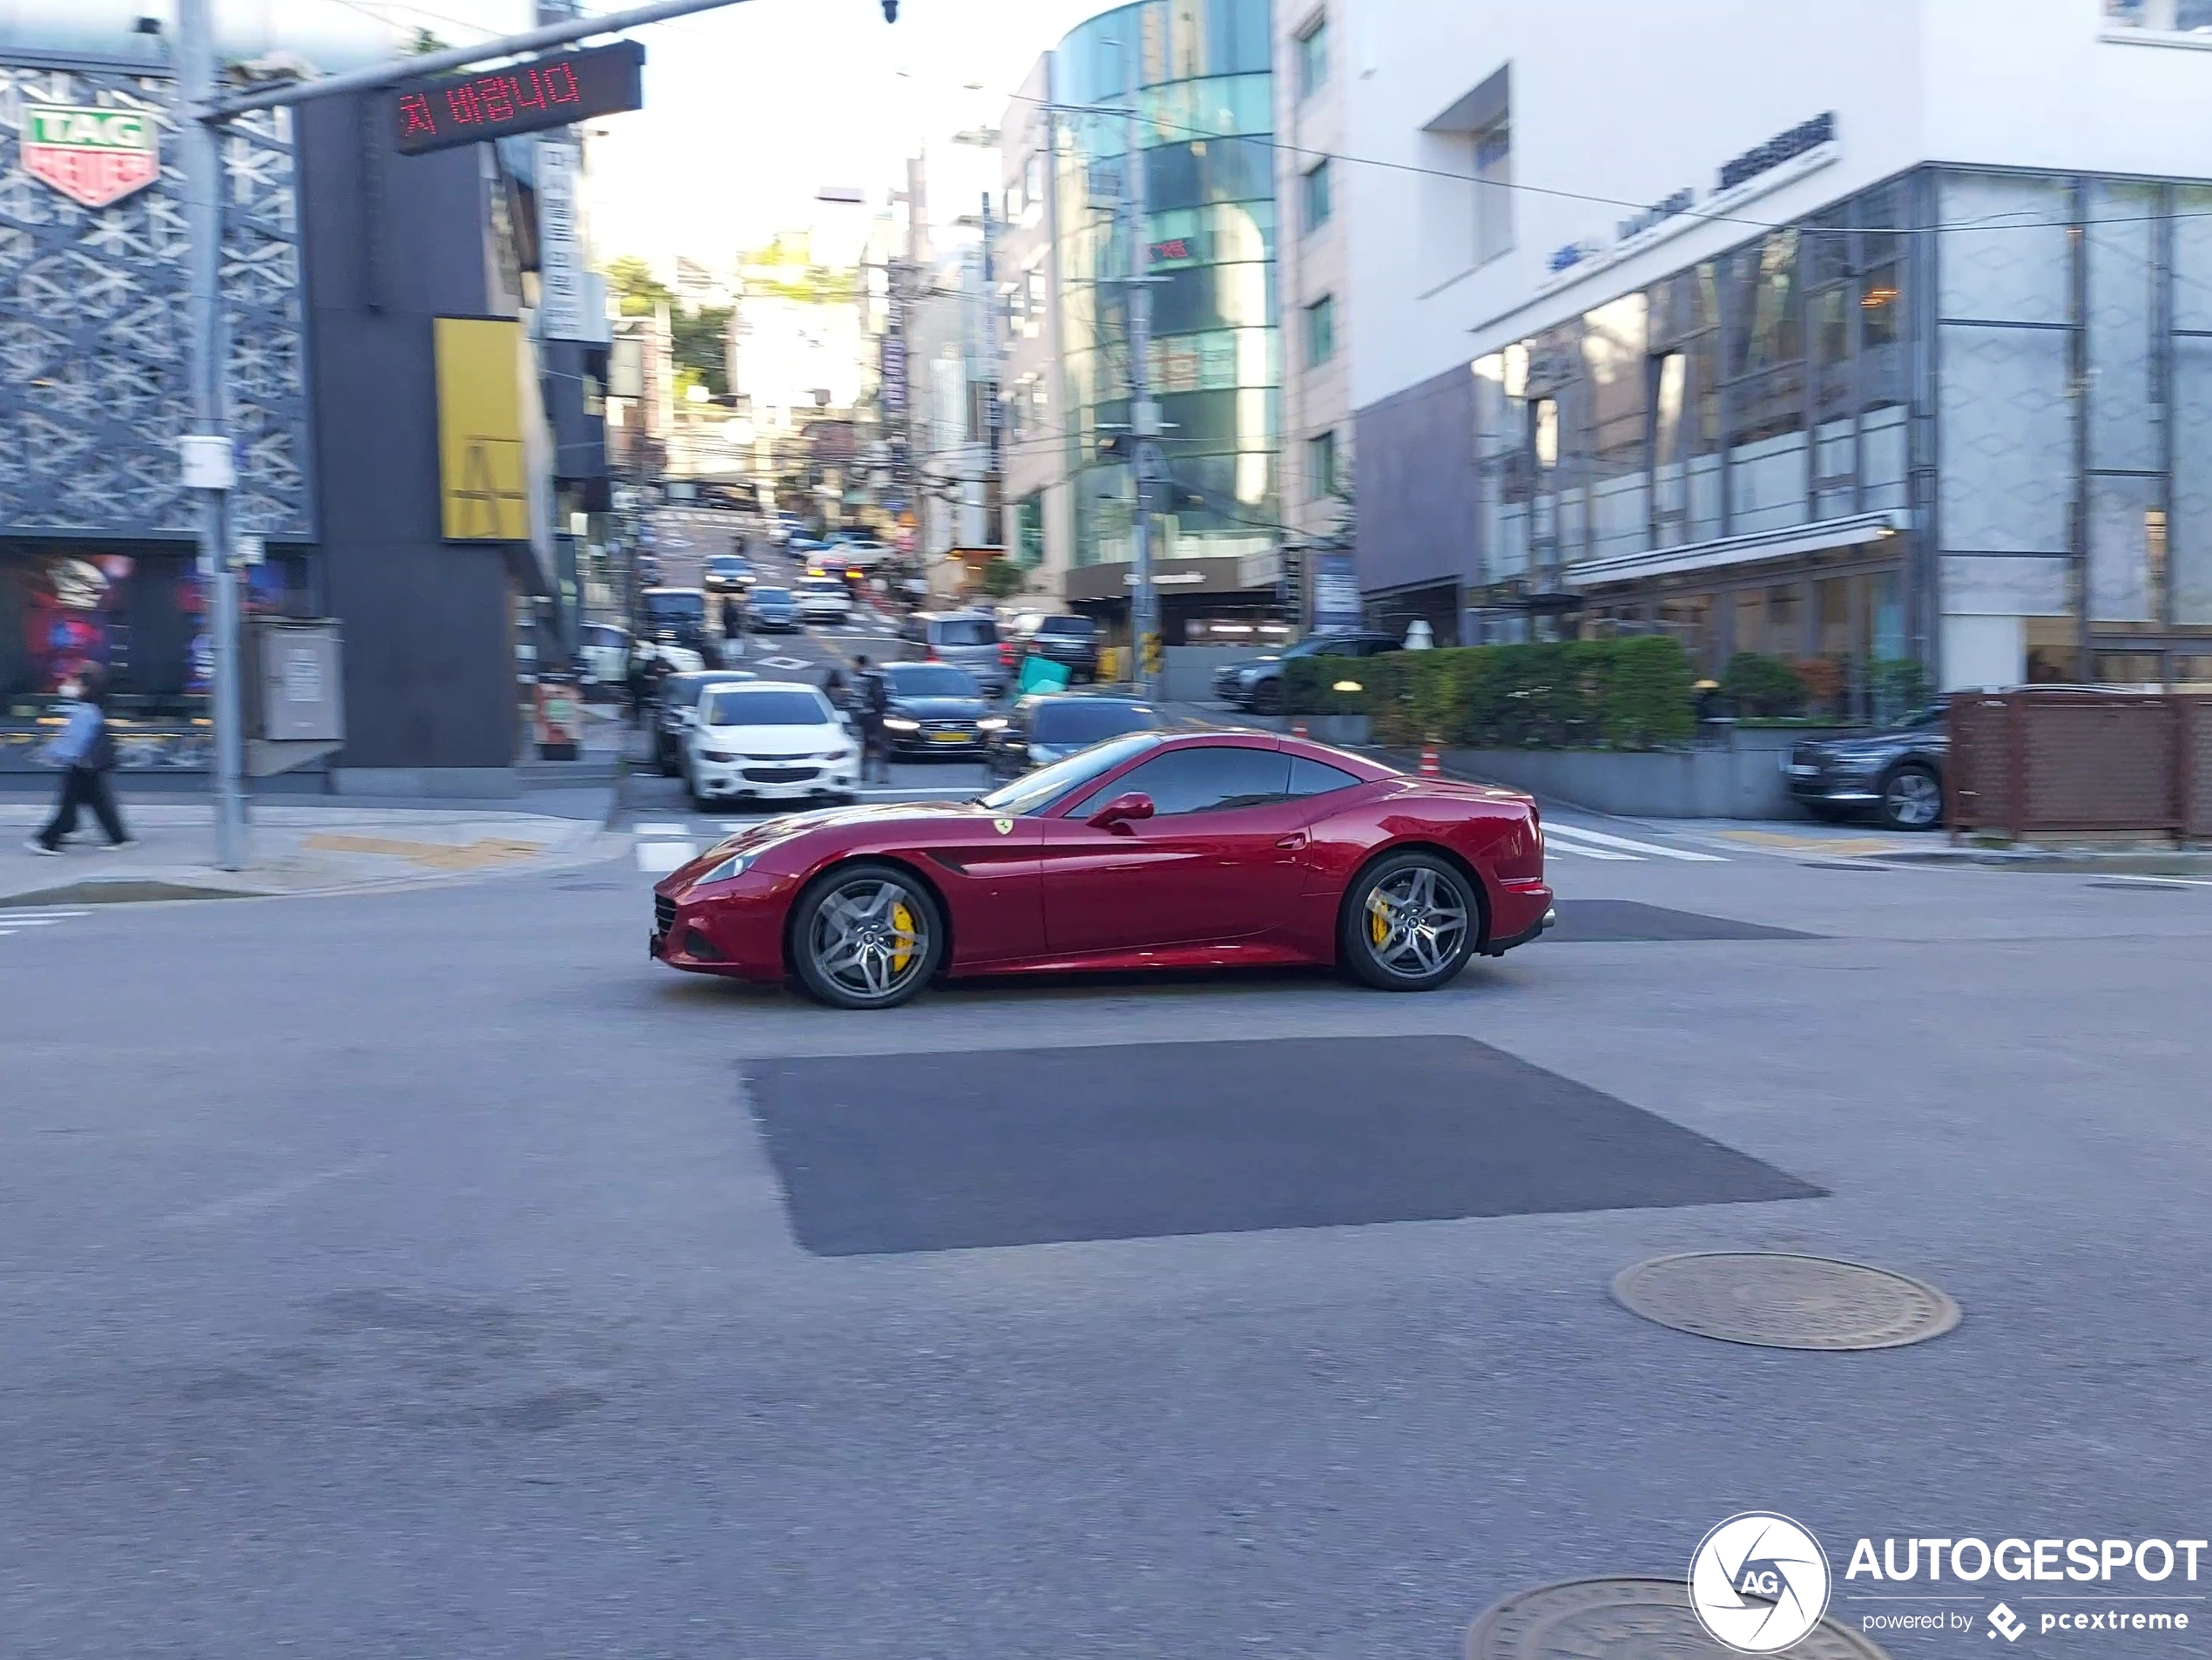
425 1273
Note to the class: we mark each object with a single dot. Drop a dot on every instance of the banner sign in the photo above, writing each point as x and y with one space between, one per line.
560 253
91 156
552 92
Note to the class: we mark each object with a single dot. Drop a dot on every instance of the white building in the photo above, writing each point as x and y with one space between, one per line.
1877 333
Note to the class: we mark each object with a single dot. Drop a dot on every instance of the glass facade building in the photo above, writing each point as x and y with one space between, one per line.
1204 124
1964 415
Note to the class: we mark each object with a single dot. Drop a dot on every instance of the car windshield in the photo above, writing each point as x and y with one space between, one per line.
1081 721
829 585
929 680
1036 791
1078 625
675 604
772 595
767 708
685 690
1319 644
726 562
968 631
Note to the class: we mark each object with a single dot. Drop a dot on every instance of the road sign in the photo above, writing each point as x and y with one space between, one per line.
555 90
208 462
91 156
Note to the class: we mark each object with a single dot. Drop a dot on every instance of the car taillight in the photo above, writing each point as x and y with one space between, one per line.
1006 654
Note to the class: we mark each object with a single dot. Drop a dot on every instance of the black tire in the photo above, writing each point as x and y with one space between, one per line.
699 802
817 933
1267 697
1826 812
672 764
1911 798
1416 885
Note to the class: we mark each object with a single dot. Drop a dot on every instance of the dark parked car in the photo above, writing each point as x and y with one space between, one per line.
1041 730
675 706
1256 683
935 709
1070 641
967 640
1896 775
674 615
773 610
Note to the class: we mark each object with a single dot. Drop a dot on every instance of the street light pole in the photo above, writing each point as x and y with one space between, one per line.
1144 414
202 143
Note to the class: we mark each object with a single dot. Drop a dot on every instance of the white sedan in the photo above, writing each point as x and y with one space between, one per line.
769 741
825 599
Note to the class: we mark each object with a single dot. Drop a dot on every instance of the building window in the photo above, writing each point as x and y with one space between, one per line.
1321 465
1317 205
1313 57
1320 331
1492 192
2161 17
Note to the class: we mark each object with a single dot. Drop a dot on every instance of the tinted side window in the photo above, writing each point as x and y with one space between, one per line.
1317 777
1209 780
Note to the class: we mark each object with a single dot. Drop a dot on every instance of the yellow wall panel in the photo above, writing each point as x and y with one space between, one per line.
483 475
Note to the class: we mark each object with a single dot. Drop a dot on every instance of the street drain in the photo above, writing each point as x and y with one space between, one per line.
1778 1301
1625 1616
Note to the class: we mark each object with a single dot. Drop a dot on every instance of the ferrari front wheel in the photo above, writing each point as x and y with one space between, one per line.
1410 923
866 936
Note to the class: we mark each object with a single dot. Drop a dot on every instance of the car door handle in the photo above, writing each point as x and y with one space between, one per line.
1293 841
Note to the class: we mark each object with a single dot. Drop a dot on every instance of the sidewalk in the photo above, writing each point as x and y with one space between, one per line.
343 847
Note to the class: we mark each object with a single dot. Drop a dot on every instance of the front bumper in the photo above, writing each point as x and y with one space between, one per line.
1827 784
935 743
775 781
737 933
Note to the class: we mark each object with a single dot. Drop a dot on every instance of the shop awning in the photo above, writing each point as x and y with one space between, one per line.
1856 530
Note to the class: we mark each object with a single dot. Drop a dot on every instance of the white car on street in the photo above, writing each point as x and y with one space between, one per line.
769 741
825 599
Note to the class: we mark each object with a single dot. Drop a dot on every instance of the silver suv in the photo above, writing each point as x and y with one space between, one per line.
967 640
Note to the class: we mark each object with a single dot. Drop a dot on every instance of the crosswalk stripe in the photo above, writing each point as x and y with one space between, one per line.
41 916
1552 846
658 858
1575 833
660 829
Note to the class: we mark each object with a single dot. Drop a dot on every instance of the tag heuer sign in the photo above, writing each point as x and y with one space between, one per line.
91 156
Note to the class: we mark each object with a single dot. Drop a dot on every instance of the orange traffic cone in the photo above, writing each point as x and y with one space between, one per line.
1430 768
1297 729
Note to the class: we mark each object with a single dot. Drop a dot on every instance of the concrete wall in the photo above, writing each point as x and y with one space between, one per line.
1186 672
391 243
1415 461
1740 779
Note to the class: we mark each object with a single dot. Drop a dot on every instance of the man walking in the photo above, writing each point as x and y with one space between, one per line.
875 748
86 751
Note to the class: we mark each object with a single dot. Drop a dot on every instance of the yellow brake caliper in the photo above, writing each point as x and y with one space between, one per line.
902 921
1378 918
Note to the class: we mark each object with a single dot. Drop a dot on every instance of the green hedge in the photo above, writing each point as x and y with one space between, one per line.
1621 693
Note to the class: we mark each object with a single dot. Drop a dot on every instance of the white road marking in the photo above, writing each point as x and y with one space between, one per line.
1652 849
266 1198
658 858
785 663
661 830
1554 847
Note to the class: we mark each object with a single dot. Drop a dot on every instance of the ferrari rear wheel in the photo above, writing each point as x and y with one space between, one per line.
1410 923
866 936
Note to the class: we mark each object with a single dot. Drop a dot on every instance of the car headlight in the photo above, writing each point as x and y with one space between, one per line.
898 723
1246 677
835 755
991 723
718 757
735 865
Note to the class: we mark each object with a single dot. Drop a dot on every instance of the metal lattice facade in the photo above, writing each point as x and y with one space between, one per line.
93 381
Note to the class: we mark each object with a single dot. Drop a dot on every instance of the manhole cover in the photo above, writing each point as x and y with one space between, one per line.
1785 1302
1649 1619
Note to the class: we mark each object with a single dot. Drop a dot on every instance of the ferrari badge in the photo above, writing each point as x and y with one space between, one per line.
1004 826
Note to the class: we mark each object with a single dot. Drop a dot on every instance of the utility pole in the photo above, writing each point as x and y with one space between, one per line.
210 467
1144 413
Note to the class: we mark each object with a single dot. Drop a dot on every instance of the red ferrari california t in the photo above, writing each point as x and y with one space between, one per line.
1152 850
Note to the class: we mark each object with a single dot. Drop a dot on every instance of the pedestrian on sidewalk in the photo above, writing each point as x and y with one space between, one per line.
85 752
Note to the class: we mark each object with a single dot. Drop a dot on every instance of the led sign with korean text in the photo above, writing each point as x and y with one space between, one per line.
550 92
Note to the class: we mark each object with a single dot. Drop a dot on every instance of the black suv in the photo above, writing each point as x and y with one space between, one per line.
1897 775
1072 641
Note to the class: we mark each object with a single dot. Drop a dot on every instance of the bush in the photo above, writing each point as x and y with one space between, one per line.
1628 693
1823 680
1760 685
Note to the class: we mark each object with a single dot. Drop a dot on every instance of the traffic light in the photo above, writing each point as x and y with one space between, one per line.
890 10
1152 655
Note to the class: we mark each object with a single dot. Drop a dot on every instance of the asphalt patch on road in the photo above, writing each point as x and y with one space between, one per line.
1607 922
897 1153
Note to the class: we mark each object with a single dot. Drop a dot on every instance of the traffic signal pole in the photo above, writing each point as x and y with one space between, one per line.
208 463
1144 414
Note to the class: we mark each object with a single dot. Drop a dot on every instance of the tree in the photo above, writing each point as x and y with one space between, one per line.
633 281
698 343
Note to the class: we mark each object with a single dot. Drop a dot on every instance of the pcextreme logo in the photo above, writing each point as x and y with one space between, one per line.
1759 1582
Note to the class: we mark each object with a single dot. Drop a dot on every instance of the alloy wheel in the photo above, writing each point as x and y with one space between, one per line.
1912 800
1416 924
869 938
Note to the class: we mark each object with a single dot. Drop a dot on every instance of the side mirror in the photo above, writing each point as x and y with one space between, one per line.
1122 810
